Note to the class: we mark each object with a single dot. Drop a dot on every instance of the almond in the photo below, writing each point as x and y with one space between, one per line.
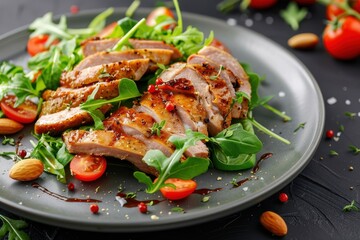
303 41
27 170
274 223
9 126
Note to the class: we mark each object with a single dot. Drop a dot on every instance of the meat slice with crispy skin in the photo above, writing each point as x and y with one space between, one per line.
62 98
229 62
108 143
92 46
133 69
56 123
161 56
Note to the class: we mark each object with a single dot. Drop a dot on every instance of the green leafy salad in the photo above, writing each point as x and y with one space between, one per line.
234 148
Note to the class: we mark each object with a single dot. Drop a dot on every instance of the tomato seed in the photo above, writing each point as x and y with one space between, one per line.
94 208
283 197
71 186
329 134
142 207
22 153
151 88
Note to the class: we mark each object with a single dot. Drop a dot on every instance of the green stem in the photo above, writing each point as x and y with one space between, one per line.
128 35
285 117
267 131
132 8
179 16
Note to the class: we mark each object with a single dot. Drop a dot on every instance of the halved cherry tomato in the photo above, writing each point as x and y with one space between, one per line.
342 40
36 44
332 10
262 4
107 30
160 11
24 113
183 188
87 167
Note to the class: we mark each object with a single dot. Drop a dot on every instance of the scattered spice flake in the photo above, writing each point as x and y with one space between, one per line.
205 199
351 115
354 149
350 207
301 125
177 209
97 189
331 101
333 153
154 217
351 168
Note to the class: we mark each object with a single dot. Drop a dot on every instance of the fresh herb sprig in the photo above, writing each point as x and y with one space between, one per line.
12 228
293 15
350 207
156 128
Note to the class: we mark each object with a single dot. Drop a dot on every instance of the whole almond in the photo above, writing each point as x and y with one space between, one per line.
27 170
9 126
274 223
303 41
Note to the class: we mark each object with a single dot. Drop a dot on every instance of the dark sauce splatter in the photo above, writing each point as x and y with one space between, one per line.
17 143
262 158
133 202
58 196
241 182
205 191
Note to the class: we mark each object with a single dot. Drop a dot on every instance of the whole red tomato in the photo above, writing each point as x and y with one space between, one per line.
342 37
333 10
262 4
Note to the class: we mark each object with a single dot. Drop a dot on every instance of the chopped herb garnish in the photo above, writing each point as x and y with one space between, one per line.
350 207
333 153
177 209
350 114
300 126
234 182
341 128
205 199
218 74
12 228
156 128
9 141
131 195
293 15
354 149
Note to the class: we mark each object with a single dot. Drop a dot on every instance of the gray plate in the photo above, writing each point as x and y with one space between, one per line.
295 92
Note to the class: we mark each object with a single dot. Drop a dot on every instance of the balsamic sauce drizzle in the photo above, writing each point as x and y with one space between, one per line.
132 202
58 196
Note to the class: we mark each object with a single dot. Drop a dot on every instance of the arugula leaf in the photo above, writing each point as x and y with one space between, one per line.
129 29
14 80
13 229
127 90
293 15
53 153
172 167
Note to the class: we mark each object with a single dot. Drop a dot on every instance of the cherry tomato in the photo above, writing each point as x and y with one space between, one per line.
332 10
262 4
36 44
87 167
342 40
356 5
305 2
157 12
183 188
24 113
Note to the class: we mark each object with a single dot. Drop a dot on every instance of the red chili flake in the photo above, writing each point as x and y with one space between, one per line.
283 197
329 134
74 9
158 81
71 186
22 153
151 88
94 208
142 207
169 106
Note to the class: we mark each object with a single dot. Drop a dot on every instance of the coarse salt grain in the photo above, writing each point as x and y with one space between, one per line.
347 102
331 100
231 21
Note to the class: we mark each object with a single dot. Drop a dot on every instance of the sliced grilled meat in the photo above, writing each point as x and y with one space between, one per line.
229 62
108 143
56 123
227 75
99 45
154 104
138 125
162 56
133 69
63 98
